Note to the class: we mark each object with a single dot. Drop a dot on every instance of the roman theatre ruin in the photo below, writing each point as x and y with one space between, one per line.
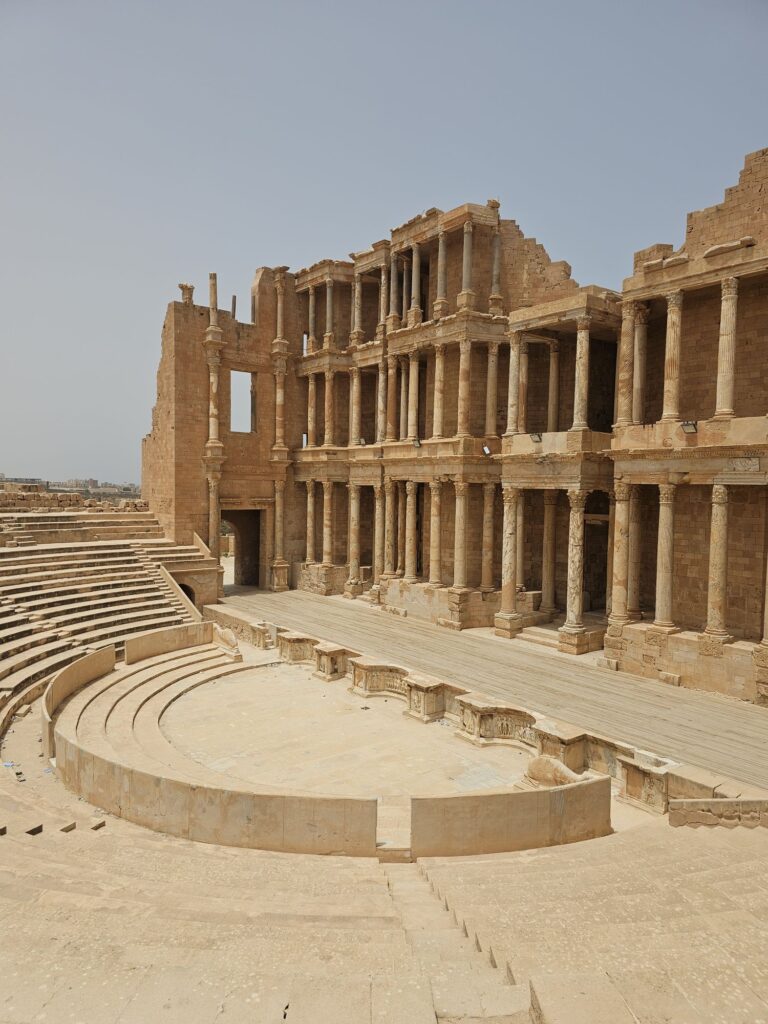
428 681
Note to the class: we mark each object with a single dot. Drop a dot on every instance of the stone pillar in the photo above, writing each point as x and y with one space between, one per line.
495 301
280 303
548 553
330 409
486 577
522 406
353 582
279 520
311 410
414 311
279 363
213 456
440 305
435 538
328 337
254 402
508 622
619 616
491 389
393 320
389 528
665 558
726 351
356 337
406 291
671 410
609 560
439 395
641 345
626 365
513 394
581 388
378 533
214 514
413 396
355 419
311 326
327 522
381 401
401 503
466 298
391 398
553 387
633 567
310 521
718 565
381 327
574 610
465 355
410 532
460 536
403 432
520 550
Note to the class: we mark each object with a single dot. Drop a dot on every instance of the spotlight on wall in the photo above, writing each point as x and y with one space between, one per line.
486 450
690 427
535 436
416 443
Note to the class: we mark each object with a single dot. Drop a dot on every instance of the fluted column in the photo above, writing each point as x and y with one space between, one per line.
664 557
581 387
466 298
378 532
435 538
495 301
633 566
410 532
491 389
355 419
522 407
553 387
548 553
391 398
439 392
403 431
356 336
312 324
328 337
393 319
401 502
330 409
465 356
620 555
718 564
413 397
726 351
508 621
520 535
486 572
440 305
354 535
626 365
460 536
311 410
641 346
381 400
414 310
671 410
389 528
513 394
327 522
310 521
575 607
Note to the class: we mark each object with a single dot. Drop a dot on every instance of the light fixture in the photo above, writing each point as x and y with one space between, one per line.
690 427
486 450
535 436
361 441
416 443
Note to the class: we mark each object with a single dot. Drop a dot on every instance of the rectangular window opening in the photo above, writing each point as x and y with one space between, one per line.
241 418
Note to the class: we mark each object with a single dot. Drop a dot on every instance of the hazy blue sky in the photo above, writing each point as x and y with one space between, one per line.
147 142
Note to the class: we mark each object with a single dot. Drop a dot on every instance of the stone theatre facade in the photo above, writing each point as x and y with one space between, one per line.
447 425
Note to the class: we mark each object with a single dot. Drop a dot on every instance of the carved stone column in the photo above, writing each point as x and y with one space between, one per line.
671 410
520 552
665 558
726 351
641 345
330 410
465 355
310 521
495 300
508 622
460 536
718 566
574 622
328 337
466 297
439 394
626 365
393 320
311 410
327 522
311 326
440 305
619 616
553 387
414 310
581 387
522 407
391 398
486 577
381 327
401 502
633 572
413 396
548 553
513 394
403 432
381 401
406 290
609 560
357 336
355 420
410 532
213 455
279 564
353 584
435 539
378 533
389 528
491 389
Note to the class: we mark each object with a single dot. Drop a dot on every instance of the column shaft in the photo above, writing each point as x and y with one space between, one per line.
414 315
435 539
403 432
311 326
393 320
311 410
553 387
406 291
509 552
413 397
439 393
467 296
330 409
327 522
328 337
389 528
522 407
671 410
381 401
279 520
280 408
401 503
718 564
383 294
633 565
460 536
626 365
548 553
513 394
440 306
355 422
520 552
491 389
620 555
465 355
378 532
354 533
641 345
214 515
486 577
575 607
410 532
581 388
726 352
310 521
391 398
665 557
609 560
495 298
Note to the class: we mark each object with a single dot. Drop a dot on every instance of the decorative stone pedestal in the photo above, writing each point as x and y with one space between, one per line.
507 624
572 641
458 598
353 588
279 576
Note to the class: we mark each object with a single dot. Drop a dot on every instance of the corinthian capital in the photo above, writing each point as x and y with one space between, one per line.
719 494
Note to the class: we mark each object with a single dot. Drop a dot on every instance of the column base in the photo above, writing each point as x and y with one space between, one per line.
353 588
711 644
723 414
572 640
328 340
439 308
356 338
465 300
667 628
496 305
507 624
381 331
414 316
393 322
279 576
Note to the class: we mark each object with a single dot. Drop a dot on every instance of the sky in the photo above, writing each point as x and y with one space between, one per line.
150 142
